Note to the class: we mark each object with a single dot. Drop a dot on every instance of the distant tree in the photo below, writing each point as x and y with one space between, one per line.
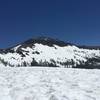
34 63
4 62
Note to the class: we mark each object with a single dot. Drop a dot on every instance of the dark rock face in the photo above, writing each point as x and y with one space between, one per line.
90 47
46 41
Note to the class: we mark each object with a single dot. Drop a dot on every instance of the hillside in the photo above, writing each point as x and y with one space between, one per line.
44 51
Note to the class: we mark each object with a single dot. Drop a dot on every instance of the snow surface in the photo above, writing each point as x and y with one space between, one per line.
40 83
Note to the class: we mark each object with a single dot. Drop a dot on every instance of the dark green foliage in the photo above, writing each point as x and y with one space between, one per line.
52 63
92 63
34 63
69 63
4 62
24 63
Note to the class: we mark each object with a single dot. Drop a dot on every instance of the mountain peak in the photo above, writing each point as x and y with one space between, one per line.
46 41
46 51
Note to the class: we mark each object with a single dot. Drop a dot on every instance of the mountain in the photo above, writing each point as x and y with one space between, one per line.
45 51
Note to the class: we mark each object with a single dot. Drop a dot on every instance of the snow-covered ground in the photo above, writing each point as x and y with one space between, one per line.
49 84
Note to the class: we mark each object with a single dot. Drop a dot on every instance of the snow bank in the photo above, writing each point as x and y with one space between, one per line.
49 84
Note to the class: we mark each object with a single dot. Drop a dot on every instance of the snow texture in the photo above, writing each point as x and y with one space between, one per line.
47 53
39 83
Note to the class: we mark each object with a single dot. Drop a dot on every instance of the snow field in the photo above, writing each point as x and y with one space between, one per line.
39 83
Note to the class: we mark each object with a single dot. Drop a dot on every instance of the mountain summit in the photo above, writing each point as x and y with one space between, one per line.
45 51
46 41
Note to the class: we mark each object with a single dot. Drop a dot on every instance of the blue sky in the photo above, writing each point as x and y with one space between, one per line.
76 21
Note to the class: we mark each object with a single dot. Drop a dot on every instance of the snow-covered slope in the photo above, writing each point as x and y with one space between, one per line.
49 84
50 52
